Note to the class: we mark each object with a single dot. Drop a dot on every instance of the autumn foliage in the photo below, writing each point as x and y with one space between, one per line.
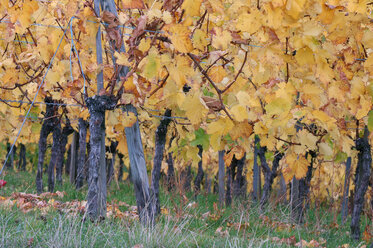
298 74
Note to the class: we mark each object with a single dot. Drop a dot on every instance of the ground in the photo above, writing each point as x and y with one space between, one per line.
57 220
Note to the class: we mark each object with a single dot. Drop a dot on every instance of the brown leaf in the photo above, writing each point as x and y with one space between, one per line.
30 242
139 31
133 4
368 234
110 19
112 29
212 103
170 4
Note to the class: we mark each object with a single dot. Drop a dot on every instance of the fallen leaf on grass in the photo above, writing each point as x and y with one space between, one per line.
30 242
205 215
368 234
311 244
192 205
239 226
165 211
219 231
287 241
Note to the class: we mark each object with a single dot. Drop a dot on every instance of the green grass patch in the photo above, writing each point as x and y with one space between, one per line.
188 221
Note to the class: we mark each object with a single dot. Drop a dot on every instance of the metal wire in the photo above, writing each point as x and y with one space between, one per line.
45 103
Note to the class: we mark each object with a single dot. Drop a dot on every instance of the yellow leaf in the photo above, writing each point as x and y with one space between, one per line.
179 36
304 56
194 108
221 126
250 22
191 7
307 139
295 7
152 64
322 117
242 129
122 58
112 118
301 167
25 19
368 65
128 119
216 6
325 149
221 39
167 17
144 45
357 87
368 39
239 112
217 73
200 39
236 151
192 154
122 145
84 114
365 106
278 106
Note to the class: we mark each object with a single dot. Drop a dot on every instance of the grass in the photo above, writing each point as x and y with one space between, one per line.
190 222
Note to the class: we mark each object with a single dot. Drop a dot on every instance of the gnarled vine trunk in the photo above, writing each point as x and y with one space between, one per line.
269 174
186 178
10 162
160 142
96 197
121 167
111 162
301 191
66 131
47 127
22 157
239 182
56 147
200 173
170 172
362 176
82 153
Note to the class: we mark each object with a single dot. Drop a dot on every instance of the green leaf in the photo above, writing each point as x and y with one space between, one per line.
340 157
370 121
202 138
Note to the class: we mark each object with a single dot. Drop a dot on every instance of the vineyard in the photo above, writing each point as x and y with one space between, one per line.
264 104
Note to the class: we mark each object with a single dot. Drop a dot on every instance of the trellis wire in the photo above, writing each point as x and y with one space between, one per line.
45 103
78 105
32 103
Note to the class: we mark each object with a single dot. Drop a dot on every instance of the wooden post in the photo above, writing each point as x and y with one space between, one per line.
133 136
73 158
221 178
346 188
256 171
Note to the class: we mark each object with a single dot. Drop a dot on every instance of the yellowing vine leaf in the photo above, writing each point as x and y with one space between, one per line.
179 36
194 108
